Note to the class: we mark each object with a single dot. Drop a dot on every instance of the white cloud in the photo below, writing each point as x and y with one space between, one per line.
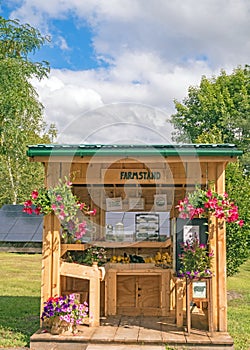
157 48
62 43
71 97
176 31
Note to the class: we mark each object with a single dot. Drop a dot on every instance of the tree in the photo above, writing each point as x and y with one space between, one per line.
222 102
21 118
218 111
238 239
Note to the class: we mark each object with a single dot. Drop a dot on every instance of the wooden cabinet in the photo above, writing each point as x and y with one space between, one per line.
138 295
137 291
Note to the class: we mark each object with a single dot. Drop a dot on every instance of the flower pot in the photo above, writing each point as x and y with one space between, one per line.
62 327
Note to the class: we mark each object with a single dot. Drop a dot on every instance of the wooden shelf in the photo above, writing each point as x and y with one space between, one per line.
137 244
135 267
74 246
79 271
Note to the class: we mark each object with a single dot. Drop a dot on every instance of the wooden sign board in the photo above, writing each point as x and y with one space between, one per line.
141 176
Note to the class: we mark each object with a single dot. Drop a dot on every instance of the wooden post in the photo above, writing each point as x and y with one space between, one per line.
50 285
212 176
46 259
111 296
188 311
55 284
179 302
94 298
221 254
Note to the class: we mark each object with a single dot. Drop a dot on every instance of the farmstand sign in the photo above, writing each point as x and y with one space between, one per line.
134 175
140 175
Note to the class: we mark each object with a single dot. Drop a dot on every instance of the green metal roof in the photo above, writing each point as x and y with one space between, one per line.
82 150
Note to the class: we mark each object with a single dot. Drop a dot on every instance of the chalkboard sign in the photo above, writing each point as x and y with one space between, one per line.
186 230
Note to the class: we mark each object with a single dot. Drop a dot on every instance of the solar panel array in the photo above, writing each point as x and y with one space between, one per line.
17 226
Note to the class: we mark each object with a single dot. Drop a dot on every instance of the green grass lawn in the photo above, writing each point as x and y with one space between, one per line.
239 307
20 280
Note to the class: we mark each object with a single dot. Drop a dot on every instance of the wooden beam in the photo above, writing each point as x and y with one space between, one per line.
46 283
179 290
56 289
221 262
94 298
212 176
120 159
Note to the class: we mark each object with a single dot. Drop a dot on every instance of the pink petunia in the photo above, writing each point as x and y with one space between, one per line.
37 210
34 194
92 212
240 222
28 210
209 193
82 206
53 206
28 203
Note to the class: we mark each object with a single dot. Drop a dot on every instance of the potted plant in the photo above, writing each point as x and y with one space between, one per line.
195 260
63 314
66 206
201 203
90 256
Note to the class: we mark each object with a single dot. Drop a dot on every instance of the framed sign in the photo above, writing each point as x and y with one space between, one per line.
185 229
136 203
160 202
113 204
199 290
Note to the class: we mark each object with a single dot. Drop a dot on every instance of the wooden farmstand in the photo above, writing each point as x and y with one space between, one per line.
135 190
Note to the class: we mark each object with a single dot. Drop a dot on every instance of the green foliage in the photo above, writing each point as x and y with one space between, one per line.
238 239
21 118
222 103
67 207
88 256
218 111
195 260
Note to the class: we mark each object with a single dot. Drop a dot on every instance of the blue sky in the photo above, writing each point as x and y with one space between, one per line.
121 63
71 42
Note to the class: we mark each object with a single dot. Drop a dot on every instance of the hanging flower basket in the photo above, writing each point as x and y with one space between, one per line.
202 203
71 212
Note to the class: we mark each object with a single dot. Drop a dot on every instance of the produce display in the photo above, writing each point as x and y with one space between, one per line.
159 259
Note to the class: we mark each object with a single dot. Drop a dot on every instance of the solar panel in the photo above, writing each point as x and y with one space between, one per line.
17 226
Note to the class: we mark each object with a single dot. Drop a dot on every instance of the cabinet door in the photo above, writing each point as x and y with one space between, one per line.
138 295
126 291
148 292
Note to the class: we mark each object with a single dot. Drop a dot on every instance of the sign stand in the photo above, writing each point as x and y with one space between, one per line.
199 290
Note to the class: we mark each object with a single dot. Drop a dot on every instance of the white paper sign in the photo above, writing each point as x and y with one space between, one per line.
199 289
190 233
136 203
113 204
160 202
